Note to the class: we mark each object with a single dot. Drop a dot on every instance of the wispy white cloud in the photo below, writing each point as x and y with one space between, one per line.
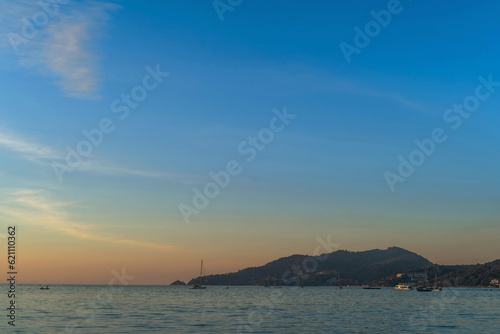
37 207
408 103
44 155
100 166
26 148
63 47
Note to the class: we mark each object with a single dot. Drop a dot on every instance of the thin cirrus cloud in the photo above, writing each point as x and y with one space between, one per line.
25 148
356 89
44 155
62 48
37 207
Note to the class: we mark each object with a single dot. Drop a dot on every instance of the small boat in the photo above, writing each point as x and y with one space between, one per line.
436 287
268 283
199 286
44 288
275 282
369 287
339 287
427 287
403 287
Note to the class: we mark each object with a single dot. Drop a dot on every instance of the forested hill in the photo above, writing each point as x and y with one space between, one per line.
352 267
476 275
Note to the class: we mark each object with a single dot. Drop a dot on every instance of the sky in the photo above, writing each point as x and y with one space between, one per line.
116 117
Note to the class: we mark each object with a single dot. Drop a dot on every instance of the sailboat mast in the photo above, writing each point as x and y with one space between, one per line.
201 270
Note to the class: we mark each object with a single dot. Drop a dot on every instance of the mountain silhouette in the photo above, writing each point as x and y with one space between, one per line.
364 267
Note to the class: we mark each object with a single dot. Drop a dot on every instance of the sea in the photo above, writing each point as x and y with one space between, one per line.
220 309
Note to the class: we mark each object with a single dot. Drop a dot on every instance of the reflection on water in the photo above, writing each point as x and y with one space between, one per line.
178 309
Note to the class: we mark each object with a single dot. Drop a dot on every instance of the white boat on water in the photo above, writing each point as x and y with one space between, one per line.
403 286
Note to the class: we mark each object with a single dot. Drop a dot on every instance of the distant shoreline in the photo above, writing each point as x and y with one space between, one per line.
256 286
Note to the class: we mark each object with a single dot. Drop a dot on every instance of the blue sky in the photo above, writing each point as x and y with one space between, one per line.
322 175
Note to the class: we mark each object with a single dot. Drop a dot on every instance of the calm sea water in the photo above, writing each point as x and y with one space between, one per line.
173 309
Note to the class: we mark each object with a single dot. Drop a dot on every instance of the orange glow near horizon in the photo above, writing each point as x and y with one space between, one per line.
73 261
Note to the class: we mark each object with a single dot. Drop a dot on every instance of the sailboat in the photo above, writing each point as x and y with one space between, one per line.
268 283
339 287
426 287
199 286
275 280
436 287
